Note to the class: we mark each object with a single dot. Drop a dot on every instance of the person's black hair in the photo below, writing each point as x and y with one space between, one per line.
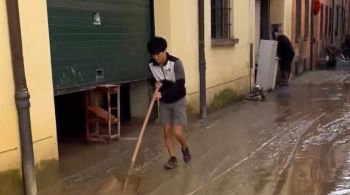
156 45
274 31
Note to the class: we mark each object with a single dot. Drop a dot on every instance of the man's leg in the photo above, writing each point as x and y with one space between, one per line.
167 140
178 131
287 70
287 76
165 118
282 67
180 119
172 162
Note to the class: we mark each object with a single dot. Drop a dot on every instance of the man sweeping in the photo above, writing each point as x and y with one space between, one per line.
169 77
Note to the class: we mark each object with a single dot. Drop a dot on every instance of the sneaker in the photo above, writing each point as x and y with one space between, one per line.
186 155
172 163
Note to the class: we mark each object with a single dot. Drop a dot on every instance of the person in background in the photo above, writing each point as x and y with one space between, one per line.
285 52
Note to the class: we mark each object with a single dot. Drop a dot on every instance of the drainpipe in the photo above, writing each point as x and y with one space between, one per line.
22 99
312 40
202 63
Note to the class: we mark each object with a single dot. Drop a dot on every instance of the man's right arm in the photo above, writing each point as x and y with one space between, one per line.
151 78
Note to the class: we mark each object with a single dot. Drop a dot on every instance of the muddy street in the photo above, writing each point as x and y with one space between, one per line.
296 142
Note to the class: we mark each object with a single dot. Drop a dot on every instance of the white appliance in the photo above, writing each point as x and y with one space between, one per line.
267 64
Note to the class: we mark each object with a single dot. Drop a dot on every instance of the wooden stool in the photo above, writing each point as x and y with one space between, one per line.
98 116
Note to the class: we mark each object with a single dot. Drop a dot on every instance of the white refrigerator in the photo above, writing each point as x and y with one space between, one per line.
267 64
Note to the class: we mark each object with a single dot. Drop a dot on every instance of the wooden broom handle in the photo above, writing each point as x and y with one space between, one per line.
136 150
139 139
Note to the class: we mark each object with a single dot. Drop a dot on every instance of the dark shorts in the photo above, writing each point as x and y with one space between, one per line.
173 113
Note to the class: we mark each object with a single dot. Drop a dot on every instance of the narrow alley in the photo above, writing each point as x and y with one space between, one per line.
261 88
296 142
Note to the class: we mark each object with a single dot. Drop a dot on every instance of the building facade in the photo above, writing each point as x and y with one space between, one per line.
68 45
36 54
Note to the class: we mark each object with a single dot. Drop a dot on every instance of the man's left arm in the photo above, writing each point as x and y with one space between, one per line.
179 86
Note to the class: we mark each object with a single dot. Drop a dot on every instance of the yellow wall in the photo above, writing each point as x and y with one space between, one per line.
8 117
320 40
288 14
226 65
180 28
162 14
302 48
276 12
36 53
253 27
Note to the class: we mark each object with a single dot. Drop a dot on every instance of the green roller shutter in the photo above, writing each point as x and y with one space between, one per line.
98 41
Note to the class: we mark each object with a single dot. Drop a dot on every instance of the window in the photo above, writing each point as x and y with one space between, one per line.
221 20
307 18
298 20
